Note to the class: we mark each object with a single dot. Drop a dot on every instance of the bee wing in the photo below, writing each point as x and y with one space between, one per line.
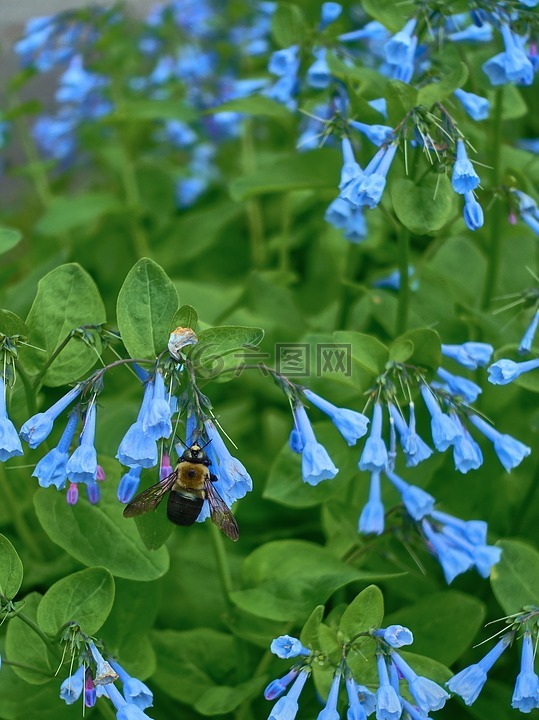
220 513
150 498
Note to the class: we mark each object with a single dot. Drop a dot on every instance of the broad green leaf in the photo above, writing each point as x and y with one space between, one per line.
99 534
224 699
316 169
84 597
362 79
11 324
216 342
389 13
67 298
154 527
185 316
513 104
256 105
147 303
436 92
444 624
328 643
74 211
424 209
283 579
309 634
366 611
191 662
515 579
21 701
369 356
9 238
418 347
11 570
25 647
288 25
145 110
401 98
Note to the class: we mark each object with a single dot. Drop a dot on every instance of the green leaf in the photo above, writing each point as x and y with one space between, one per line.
99 534
67 298
25 647
283 579
513 104
84 597
401 98
288 25
439 91
216 342
256 105
301 171
21 701
144 110
365 612
65 214
309 633
154 527
389 13
224 699
9 238
444 624
427 667
515 579
147 303
11 324
328 643
418 347
424 209
369 356
185 316
11 570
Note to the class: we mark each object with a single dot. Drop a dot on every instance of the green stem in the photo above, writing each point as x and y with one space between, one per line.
223 567
17 517
254 210
52 358
38 631
12 663
284 260
404 289
35 167
28 390
493 266
348 275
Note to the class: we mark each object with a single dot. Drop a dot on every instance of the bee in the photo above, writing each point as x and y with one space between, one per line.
188 486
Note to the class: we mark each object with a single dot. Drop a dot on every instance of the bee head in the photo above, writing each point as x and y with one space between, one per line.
195 454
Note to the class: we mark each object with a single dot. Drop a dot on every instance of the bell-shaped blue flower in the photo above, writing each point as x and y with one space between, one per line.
157 418
338 213
397 47
104 673
415 448
318 74
427 694
10 445
511 66
466 452
351 169
505 371
295 442
377 134
351 424
374 456
417 502
444 430
93 492
134 690
527 341
329 12
474 530
233 476
124 710
510 452
286 647
464 177
82 465
395 636
469 682
316 465
366 698
473 212
483 556
277 687
453 561
388 702
371 187
470 355
526 692
477 107
284 62
355 230
128 485
72 687
330 710
371 520
38 427
137 447
355 711
286 708
52 468
466 389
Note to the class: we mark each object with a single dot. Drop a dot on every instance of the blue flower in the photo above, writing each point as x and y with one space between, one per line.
371 520
330 710
104 674
468 390
377 134
128 485
453 561
338 213
483 556
527 341
355 711
415 448
427 694
10 445
526 693
473 212
477 107
466 452
316 465
277 687
511 66
444 430
351 170
470 355
71 688
388 702
397 47
329 12
351 424
356 227
374 456
286 647
395 636
504 371
134 690
233 476
472 33
295 442
286 708
469 682
464 177
284 62
369 189
136 447
416 501
474 530
124 710
510 452
318 74
90 692
156 421
93 492
82 465
38 427
52 468
366 698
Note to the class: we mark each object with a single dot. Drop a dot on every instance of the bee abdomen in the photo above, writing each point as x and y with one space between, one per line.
183 509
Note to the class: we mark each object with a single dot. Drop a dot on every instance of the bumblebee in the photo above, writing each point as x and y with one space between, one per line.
188 486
